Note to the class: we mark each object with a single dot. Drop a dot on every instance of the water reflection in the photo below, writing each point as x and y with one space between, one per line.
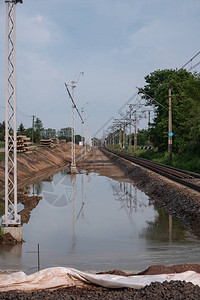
73 196
162 228
37 188
126 193
88 221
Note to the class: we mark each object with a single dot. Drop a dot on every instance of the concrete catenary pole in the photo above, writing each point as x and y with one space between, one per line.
130 138
120 137
73 162
124 136
135 132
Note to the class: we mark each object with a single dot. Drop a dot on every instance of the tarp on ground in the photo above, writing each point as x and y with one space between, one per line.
53 278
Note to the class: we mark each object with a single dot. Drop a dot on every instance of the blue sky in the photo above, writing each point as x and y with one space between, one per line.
116 43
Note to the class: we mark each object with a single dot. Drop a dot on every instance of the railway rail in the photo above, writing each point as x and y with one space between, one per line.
183 177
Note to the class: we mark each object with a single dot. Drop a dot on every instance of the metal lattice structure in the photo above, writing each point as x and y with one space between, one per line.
11 216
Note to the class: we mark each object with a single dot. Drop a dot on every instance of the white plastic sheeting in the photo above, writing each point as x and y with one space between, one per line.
54 278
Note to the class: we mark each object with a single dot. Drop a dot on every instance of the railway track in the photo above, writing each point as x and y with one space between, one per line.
183 177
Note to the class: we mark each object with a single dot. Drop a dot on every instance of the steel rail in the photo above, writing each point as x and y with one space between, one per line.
172 173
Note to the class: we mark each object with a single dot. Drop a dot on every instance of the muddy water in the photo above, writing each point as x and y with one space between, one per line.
93 222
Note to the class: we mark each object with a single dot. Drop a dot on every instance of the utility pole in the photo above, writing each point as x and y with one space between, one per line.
124 136
170 134
135 132
33 127
149 122
11 217
120 137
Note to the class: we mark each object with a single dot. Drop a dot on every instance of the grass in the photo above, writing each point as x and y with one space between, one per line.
183 160
2 157
2 144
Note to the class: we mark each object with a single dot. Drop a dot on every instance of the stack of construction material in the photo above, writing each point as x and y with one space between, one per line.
23 143
46 143
55 141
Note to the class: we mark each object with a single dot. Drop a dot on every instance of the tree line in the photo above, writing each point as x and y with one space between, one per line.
38 132
185 89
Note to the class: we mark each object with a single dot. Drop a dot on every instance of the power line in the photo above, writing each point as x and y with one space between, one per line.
194 66
191 61
128 101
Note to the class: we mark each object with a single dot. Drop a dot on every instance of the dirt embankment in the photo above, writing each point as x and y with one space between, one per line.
32 167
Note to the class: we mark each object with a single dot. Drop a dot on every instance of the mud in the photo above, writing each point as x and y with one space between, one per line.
8 239
29 202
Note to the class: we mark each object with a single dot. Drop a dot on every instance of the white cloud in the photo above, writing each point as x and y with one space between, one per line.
34 30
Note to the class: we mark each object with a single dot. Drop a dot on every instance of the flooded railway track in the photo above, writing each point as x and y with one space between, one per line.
183 177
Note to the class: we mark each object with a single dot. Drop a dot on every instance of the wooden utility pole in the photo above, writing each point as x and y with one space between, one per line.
149 112
33 120
170 134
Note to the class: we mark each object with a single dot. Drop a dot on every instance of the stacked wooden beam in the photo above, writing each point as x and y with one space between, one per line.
23 143
55 141
46 143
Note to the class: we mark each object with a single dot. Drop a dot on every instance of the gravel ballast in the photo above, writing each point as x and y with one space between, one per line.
180 290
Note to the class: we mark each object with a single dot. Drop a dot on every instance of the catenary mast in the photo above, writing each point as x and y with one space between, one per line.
11 217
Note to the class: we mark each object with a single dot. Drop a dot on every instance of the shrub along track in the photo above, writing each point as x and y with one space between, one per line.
180 201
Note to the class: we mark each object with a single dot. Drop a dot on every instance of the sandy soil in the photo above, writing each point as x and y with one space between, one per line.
32 167
96 161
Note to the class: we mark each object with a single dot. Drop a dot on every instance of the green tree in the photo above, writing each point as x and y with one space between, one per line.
21 129
65 133
49 133
142 137
38 126
77 138
2 131
185 108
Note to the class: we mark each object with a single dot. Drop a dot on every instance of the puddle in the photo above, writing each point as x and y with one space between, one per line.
92 222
